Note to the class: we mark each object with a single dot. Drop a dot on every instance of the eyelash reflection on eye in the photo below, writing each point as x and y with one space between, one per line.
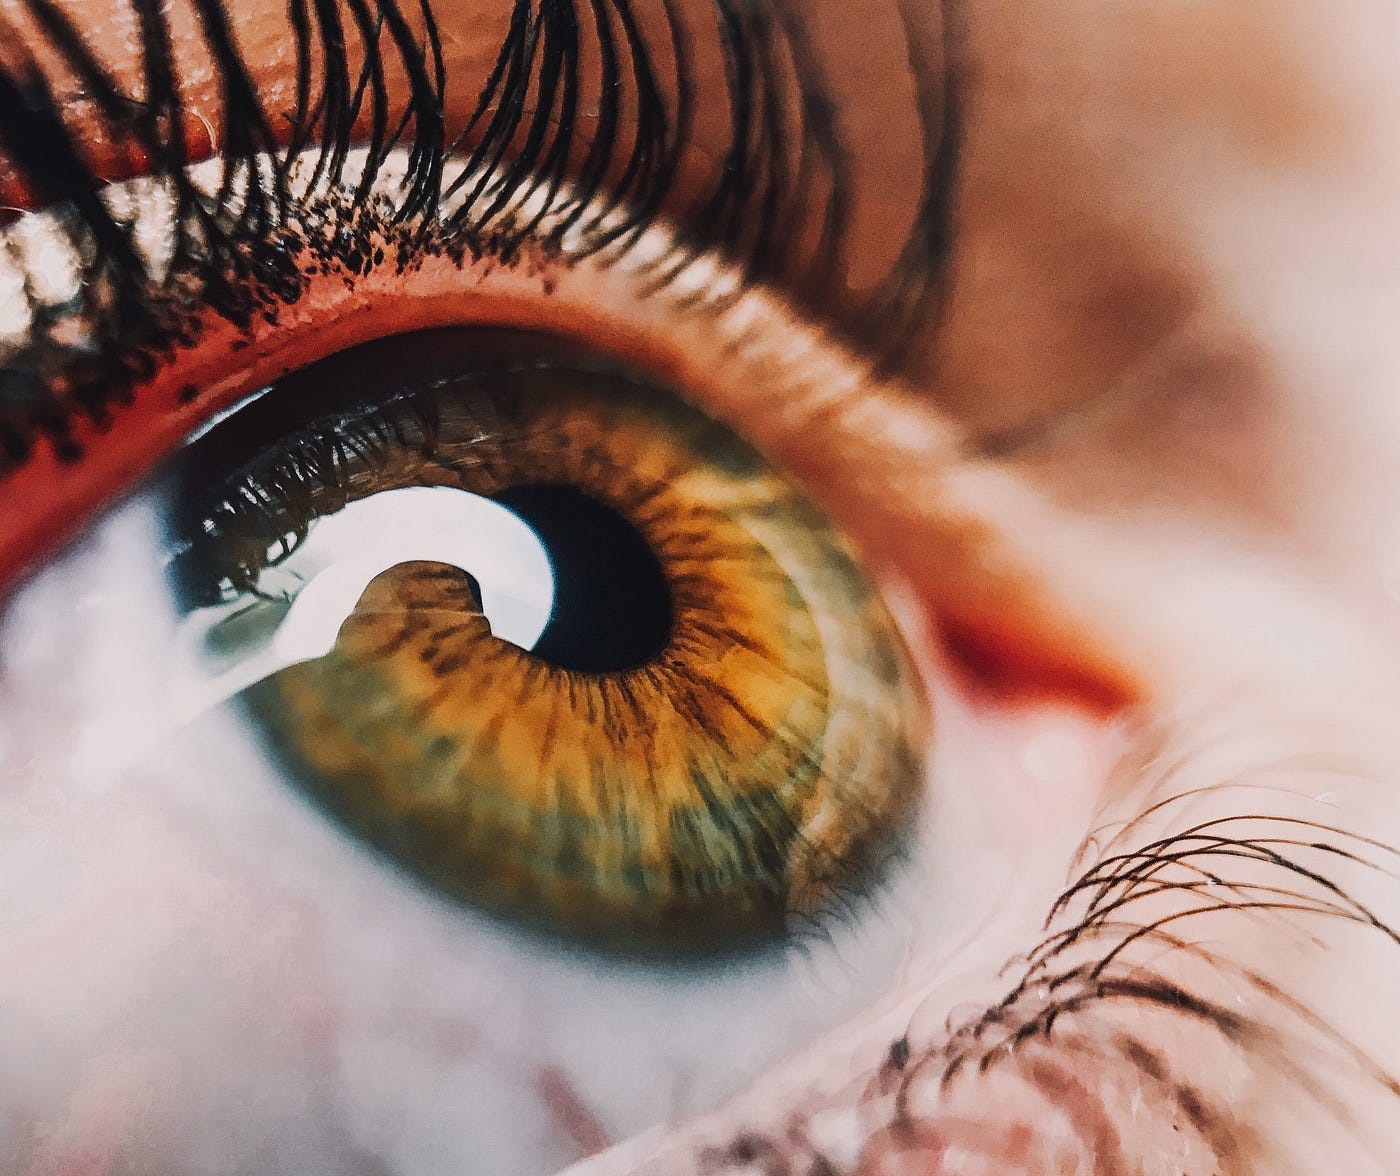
777 205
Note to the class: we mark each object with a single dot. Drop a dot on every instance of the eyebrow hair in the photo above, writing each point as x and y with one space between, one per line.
777 205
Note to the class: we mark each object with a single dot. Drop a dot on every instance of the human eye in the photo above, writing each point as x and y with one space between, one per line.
791 767
650 869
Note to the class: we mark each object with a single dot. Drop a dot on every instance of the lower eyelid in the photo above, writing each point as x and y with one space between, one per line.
833 1126
1207 1042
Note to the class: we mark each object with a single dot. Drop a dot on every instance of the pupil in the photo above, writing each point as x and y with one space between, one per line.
612 604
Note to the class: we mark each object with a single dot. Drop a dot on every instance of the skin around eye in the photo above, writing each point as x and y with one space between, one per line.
1072 269
717 730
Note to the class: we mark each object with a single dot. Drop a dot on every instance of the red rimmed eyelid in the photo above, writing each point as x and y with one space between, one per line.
45 501
869 453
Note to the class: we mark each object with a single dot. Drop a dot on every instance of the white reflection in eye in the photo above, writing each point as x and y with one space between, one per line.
294 612
307 997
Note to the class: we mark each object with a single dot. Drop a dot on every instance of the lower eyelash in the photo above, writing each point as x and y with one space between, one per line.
1099 1061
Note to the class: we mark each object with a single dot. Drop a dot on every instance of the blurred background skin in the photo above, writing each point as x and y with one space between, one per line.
1168 356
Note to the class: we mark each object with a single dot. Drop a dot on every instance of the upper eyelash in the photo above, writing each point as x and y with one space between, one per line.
777 207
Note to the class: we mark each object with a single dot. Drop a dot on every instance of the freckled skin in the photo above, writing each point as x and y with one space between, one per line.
1166 362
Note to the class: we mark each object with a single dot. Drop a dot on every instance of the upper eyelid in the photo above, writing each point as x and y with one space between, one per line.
782 169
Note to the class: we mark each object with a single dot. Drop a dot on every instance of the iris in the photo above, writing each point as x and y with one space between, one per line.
718 728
